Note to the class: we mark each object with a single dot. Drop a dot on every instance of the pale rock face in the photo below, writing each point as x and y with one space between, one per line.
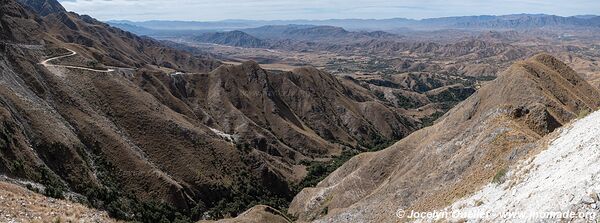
563 178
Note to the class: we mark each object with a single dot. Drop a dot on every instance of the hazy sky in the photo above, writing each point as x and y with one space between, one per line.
210 10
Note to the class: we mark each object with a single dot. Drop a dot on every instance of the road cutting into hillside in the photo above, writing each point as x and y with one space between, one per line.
46 63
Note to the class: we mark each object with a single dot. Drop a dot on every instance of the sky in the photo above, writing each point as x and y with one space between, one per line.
213 10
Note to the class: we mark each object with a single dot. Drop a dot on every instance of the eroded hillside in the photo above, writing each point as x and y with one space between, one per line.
149 133
137 128
432 167
561 177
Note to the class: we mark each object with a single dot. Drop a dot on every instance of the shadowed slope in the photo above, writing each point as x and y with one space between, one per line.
44 8
147 139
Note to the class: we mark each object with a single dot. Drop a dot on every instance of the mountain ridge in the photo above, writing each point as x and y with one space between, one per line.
518 21
464 149
545 177
44 8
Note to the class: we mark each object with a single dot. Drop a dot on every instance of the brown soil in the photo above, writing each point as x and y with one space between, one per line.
463 151
190 138
256 214
18 204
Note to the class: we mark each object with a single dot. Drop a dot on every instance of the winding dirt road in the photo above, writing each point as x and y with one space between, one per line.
46 63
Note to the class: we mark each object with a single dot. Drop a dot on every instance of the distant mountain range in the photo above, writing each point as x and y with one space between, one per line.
233 38
280 36
515 21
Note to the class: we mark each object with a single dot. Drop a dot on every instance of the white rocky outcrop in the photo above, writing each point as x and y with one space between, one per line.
561 183
228 137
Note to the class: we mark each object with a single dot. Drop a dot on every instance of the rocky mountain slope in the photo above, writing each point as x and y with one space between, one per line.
47 22
560 178
148 133
44 8
256 214
432 167
22 205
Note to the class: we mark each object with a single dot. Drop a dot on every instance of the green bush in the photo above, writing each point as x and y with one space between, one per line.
54 187
55 192
380 95
429 121
93 64
325 211
124 205
232 200
244 195
406 102
499 177
32 188
317 171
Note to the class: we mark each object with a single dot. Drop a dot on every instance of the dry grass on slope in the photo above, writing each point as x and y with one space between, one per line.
567 95
466 149
18 204
256 214
561 178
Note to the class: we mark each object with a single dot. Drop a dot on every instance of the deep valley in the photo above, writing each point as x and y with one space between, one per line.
290 121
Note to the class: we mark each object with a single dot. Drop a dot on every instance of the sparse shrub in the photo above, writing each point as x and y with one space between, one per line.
244 194
198 210
380 95
406 102
18 165
244 147
54 188
233 200
124 205
430 120
93 64
317 171
499 177
478 203
179 218
325 210
32 188
55 192
583 113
